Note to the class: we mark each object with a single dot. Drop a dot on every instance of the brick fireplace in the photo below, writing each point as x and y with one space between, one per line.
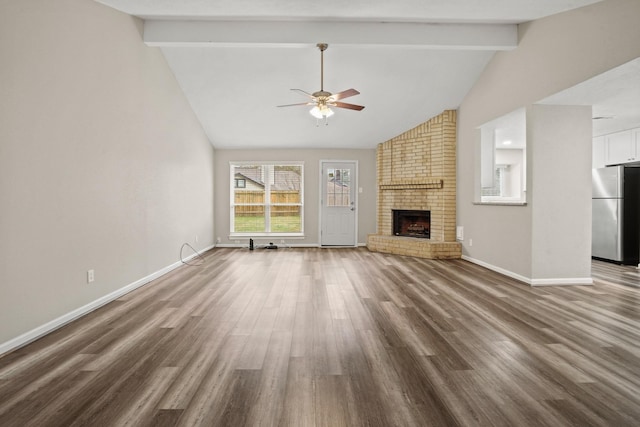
417 172
412 223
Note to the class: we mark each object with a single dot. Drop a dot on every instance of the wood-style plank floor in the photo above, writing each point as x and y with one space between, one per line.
338 337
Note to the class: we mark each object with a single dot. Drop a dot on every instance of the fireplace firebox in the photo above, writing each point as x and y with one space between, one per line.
412 223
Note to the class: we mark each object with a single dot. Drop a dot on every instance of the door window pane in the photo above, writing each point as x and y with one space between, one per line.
338 187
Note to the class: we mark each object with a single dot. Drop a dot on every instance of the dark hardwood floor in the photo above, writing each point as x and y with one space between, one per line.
338 337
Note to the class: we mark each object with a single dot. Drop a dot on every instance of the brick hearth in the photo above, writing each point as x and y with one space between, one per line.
417 170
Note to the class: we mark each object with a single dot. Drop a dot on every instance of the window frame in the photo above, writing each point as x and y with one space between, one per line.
486 160
267 204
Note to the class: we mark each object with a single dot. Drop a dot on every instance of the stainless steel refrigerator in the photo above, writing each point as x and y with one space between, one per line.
615 210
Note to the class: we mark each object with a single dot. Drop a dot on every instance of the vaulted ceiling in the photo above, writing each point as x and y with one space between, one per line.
236 60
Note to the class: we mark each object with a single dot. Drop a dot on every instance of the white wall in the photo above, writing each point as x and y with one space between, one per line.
559 139
103 165
553 54
366 179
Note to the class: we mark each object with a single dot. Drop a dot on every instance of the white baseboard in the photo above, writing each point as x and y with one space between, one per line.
259 245
528 280
285 245
562 282
51 326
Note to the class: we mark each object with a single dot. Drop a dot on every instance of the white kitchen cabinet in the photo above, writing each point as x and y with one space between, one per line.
598 152
621 147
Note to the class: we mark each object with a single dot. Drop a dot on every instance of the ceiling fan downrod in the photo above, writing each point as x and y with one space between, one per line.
322 47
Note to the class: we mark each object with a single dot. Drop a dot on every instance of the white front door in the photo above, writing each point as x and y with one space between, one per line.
338 225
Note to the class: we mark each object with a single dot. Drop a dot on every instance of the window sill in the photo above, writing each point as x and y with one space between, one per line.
500 203
239 236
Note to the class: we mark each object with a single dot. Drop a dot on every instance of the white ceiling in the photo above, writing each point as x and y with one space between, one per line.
410 59
613 95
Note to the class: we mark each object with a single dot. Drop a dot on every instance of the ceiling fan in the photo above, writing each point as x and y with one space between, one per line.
323 100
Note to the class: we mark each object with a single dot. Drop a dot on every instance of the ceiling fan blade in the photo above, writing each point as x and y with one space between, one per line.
293 105
349 106
344 94
305 93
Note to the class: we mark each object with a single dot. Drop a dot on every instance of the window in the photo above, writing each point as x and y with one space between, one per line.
338 187
266 199
503 159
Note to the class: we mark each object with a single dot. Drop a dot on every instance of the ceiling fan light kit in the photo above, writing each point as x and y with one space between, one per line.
321 112
323 100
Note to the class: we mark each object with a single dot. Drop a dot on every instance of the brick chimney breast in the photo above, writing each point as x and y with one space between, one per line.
417 171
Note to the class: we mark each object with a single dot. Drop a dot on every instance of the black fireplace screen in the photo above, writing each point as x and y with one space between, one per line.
412 223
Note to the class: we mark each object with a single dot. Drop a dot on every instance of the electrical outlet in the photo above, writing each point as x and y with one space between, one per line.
196 239
282 241
218 240
470 242
90 276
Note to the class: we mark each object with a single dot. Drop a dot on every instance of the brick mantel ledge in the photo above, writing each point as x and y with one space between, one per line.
428 184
